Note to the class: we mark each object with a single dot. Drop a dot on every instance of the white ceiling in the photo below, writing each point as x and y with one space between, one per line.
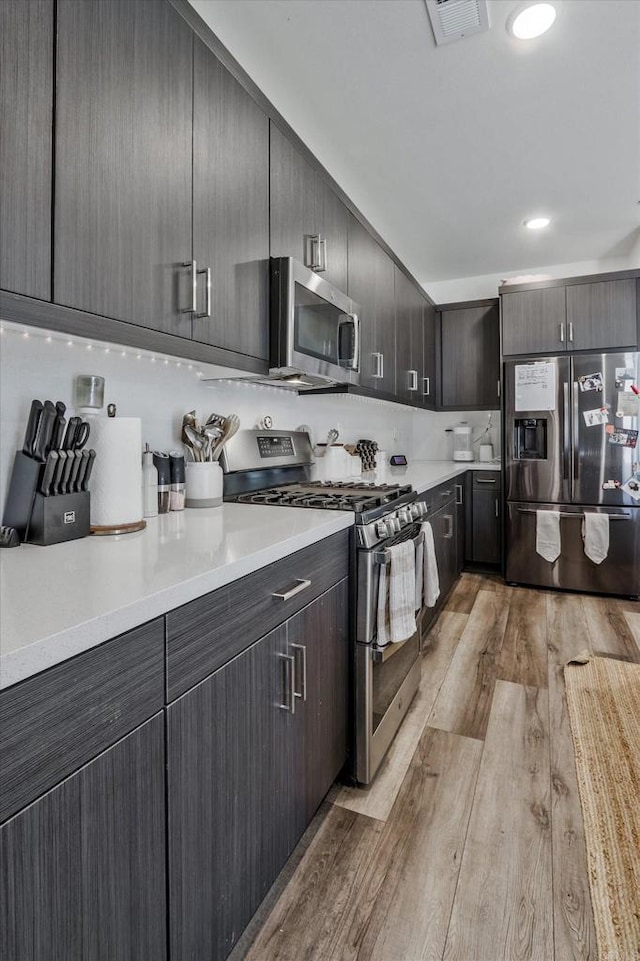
446 150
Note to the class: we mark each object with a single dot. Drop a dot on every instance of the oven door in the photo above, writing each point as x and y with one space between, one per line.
315 327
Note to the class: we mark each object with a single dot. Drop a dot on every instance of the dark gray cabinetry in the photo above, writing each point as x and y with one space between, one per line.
308 221
470 355
534 321
252 750
230 210
371 285
484 523
26 116
428 384
82 870
409 340
602 315
444 524
123 162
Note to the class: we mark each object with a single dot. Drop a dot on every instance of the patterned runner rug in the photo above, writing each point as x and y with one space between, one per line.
603 696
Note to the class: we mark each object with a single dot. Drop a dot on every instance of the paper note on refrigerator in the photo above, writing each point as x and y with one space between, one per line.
536 386
628 405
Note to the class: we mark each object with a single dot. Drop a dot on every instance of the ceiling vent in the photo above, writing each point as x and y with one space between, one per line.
454 19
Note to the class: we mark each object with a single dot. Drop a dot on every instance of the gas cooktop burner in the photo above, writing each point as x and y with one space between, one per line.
358 496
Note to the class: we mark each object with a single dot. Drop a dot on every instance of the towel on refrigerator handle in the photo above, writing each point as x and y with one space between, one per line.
548 535
396 595
595 536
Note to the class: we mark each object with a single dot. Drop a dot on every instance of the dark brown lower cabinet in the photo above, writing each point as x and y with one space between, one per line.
82 869
443 523
252 750
484 523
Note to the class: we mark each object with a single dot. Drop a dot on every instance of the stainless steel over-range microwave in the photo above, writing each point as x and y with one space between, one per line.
315 328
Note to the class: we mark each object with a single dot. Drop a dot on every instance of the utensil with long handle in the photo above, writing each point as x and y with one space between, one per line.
42 444
56 483
49 471
87 474
32 427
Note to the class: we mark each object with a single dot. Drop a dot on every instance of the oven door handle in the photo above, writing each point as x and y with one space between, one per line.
384 557
381 654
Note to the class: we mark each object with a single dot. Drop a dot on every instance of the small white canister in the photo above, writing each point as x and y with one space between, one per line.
203 483
486 453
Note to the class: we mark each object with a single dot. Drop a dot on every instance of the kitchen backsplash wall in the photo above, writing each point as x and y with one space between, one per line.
159 389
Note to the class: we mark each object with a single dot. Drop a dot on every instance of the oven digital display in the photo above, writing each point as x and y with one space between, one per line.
275 446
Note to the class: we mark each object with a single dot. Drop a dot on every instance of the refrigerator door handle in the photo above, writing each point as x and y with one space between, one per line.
576 428
566 442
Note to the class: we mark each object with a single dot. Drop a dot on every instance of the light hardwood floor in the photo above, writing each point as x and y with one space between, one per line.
469 845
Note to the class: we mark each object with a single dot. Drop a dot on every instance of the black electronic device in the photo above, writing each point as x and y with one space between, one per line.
398 460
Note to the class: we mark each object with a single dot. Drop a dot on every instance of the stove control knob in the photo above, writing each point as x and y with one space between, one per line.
420 508
394 524
416 513
404 516
382 529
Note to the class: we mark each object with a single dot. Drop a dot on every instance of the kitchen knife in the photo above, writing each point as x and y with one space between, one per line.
48 473
69 462
58 432
61 408
69 437
42 444
56 483
32 427
77 461
87 473
84 463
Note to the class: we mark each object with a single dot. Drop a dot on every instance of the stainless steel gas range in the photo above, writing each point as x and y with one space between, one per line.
274 468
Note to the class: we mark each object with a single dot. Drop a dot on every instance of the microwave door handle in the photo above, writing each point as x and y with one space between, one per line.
351 362
355 364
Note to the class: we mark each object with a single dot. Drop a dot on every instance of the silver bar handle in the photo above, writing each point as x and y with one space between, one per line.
562 332
413 379
578 514
570 332
194 287
499 389
314 252
485 480
289 703
459 494
566 446
381 365
301 585
207 310
576 429
449 534
377 371
445 493
384 557
426 386
300 654
497 508
323 255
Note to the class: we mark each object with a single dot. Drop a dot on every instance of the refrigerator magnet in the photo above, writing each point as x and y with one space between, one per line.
628 405
591 381
624 438
632 487
622 374
611 485
593 418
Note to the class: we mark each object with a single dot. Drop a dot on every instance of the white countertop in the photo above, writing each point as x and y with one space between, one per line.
56 602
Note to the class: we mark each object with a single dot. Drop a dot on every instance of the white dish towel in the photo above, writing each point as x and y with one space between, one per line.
548 535
430 575
396 595
595 535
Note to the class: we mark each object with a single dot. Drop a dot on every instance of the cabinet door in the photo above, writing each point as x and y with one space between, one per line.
123 161
602 315
486 527
371 285
428 384
83 868
534 321
318 638
409 340
304 206
470 347
443 523
26 117
230 209
230 788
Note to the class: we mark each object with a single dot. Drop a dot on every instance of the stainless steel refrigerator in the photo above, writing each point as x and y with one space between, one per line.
571 445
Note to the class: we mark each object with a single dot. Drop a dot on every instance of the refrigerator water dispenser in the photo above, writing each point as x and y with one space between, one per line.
530 438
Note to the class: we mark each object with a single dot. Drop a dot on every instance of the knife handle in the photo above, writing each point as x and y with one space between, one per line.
87 473
32 427
75 470
42 444
64 484
47 474
56 483
58 432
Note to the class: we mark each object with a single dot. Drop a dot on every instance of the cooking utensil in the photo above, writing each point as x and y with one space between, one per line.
84 463
196 441
49 471
87 473
42 443
58 432
56 481
230 427
71 433
77 434
32 427
76 456
64 483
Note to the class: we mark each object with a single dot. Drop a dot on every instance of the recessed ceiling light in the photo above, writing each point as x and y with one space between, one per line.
532 21
537 223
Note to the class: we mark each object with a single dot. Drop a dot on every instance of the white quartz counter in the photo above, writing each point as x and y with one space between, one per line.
425 474
58 601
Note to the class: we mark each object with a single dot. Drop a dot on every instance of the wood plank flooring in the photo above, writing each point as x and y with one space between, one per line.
469 846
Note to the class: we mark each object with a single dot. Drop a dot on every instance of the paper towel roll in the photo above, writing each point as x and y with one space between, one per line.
116 482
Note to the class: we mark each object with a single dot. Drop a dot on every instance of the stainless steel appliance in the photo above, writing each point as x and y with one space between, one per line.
571 445
315 329
273 467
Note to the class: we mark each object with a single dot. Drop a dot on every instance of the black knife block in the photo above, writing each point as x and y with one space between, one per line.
25 478
58 518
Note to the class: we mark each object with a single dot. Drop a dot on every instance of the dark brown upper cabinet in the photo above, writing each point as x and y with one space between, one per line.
308 221
230 210
409 340
371 285
123 179
470 355
429 365
26 117
602 315
534 321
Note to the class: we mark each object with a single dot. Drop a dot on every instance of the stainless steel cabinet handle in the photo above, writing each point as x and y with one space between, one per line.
570 332
449 534
301 585
194 287
323 255
377 370
445 493
313 252
499 389
381 365
497 508
289 703
207 310
484 480
426 386
562 333
300 654
413 379
459 494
